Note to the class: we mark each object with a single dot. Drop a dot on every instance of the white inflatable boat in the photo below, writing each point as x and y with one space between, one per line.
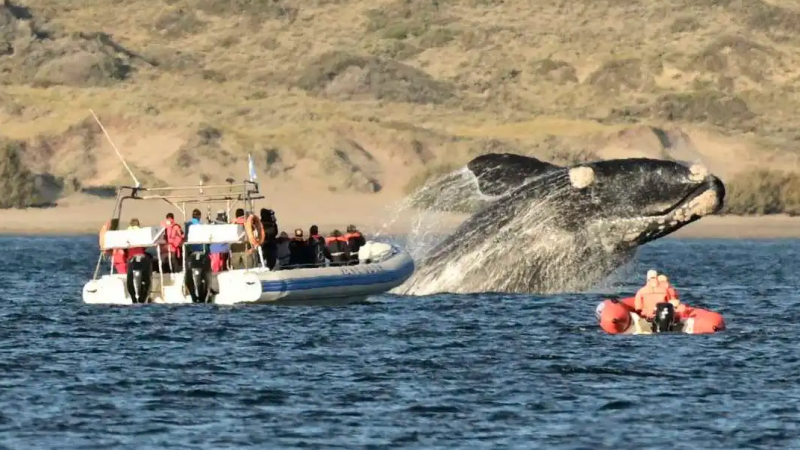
381 267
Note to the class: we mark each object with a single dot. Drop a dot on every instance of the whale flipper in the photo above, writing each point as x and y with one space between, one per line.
499 173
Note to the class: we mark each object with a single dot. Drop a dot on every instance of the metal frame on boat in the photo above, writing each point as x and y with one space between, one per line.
381 267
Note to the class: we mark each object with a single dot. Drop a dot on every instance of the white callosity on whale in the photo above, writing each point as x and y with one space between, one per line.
540 228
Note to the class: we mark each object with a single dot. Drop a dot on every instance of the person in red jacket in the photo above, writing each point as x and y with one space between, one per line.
171 251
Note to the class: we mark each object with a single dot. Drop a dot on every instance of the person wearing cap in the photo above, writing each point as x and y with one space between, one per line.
649 296
297 250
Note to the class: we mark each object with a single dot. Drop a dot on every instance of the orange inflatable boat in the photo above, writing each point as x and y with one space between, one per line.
619 317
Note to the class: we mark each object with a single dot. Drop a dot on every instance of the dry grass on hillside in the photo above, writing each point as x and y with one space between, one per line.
358 96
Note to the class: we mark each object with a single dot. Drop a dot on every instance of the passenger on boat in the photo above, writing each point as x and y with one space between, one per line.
171 251
133 251
219 252
297 250
240 258
354 239
317 250
649 296
670 292
196 219
120 256
283 253
337 246
270 245
119 259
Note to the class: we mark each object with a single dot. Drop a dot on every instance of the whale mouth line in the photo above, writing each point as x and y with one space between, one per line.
684 202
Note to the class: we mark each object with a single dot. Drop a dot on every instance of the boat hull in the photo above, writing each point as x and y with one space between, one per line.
324 286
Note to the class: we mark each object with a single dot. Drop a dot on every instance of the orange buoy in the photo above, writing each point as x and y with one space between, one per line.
614 317
706 321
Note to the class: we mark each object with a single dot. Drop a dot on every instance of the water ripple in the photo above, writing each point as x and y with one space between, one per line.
459 371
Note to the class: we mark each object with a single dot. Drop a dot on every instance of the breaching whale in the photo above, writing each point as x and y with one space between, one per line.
543 228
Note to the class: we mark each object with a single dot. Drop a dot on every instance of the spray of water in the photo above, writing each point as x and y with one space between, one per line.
426 210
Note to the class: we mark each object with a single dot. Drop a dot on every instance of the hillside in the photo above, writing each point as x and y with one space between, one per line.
368 98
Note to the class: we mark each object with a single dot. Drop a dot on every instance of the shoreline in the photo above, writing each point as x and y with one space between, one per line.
713 227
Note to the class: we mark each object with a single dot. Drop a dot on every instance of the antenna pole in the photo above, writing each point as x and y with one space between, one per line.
115 149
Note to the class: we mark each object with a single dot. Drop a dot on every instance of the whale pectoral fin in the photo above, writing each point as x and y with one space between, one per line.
498 173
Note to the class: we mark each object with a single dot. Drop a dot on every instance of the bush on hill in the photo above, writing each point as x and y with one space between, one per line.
17 183
763 191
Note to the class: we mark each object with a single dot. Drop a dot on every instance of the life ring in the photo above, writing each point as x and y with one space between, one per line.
255 230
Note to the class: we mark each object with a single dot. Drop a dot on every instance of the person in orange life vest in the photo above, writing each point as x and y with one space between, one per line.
649 296
240 259
354 242
671 293
172 249
354 239
317 249
338 247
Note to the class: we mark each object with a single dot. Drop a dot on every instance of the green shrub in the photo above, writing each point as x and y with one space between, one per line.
17 183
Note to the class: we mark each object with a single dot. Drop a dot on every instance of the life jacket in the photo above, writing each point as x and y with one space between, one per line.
651 296
119 258
672 294
338 246
354 241
330 239
174 236
217 262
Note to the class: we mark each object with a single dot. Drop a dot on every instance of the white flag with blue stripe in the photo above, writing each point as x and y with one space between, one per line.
252 167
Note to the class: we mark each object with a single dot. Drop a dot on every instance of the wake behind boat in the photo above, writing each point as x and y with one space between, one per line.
381 267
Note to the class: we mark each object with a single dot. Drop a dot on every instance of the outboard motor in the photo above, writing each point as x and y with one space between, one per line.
664 318
139 279
198 277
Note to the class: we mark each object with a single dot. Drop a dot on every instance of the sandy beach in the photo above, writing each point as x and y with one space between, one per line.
83 214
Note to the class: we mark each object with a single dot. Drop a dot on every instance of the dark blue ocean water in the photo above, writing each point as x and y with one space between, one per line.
470 372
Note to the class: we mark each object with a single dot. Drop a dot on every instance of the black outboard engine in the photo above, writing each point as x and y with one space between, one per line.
664 318
198 277
139 279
